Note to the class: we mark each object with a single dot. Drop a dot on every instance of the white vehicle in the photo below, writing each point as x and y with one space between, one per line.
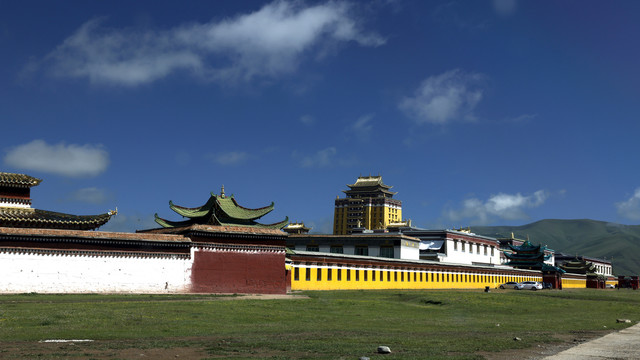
529 285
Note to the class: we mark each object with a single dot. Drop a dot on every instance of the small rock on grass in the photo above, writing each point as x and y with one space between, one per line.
517 338
384 350
623 320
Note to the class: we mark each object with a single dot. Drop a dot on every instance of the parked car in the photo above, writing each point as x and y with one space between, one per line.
609 286
529 285
509 285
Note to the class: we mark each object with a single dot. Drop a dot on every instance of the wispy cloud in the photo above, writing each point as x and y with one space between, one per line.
67 160
229 157
524 118
307 120
269 42
321 158
504 7
447 97
91 195
630 209
500 206
362 128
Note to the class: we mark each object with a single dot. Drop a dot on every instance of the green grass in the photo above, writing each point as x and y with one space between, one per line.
329 325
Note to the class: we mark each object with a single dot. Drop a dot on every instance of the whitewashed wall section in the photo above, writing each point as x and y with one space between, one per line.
61 272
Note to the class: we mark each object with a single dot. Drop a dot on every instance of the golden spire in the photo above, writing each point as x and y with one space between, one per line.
222 192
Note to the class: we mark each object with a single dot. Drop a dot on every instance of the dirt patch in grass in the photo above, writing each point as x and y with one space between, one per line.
540 351
198 348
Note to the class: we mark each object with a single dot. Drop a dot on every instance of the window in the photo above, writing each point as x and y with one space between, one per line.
357 275
386 251
339 273
319 274
401 275
307 275
395 276
388 275
336 249
470 248
463 243
348 274
478 249
421 277
373 275
492 250
366 272
296 274
329 275
455 245
485 250
362 250
415 276
313 248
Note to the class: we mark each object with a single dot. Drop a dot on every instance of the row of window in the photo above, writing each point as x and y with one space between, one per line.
404 276
455 247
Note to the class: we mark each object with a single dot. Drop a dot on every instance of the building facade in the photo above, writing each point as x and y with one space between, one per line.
368 203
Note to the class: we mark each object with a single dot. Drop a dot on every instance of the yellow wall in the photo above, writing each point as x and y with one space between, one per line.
574 283
430 279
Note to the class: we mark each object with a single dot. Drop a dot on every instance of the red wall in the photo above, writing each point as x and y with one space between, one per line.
233 271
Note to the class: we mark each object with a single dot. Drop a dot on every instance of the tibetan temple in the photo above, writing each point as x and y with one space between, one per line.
221 210
220 247
16 211
580 266
533 257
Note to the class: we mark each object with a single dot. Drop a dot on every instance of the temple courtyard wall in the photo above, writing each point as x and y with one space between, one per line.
64 273
68 261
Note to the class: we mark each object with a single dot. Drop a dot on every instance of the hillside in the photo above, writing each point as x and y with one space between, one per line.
616 242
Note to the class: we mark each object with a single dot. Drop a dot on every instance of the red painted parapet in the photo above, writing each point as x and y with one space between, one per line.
553 278
238 269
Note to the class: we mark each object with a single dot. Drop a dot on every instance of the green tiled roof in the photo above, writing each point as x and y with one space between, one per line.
221 210
21 180
233 210
34 218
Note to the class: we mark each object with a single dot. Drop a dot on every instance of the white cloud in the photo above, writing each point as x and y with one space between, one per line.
229 157
444 98
268 42
504 7
67 160
500 206
322 158
630 209
90 195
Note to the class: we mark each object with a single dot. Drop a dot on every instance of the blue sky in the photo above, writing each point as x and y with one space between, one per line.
479 112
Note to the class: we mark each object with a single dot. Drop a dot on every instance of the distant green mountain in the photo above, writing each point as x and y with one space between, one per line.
615 242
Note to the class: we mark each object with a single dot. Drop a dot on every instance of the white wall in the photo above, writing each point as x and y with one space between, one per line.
52 273
469 257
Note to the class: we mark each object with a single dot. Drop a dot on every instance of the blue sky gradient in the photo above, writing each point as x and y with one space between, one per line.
478 113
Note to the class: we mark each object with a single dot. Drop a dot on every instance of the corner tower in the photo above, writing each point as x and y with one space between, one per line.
368 204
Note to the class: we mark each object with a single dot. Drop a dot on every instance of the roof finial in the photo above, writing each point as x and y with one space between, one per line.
222 192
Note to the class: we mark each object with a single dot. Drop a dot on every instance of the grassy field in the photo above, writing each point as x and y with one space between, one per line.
326 325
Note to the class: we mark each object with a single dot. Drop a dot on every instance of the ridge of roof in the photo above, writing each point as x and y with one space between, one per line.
18 180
